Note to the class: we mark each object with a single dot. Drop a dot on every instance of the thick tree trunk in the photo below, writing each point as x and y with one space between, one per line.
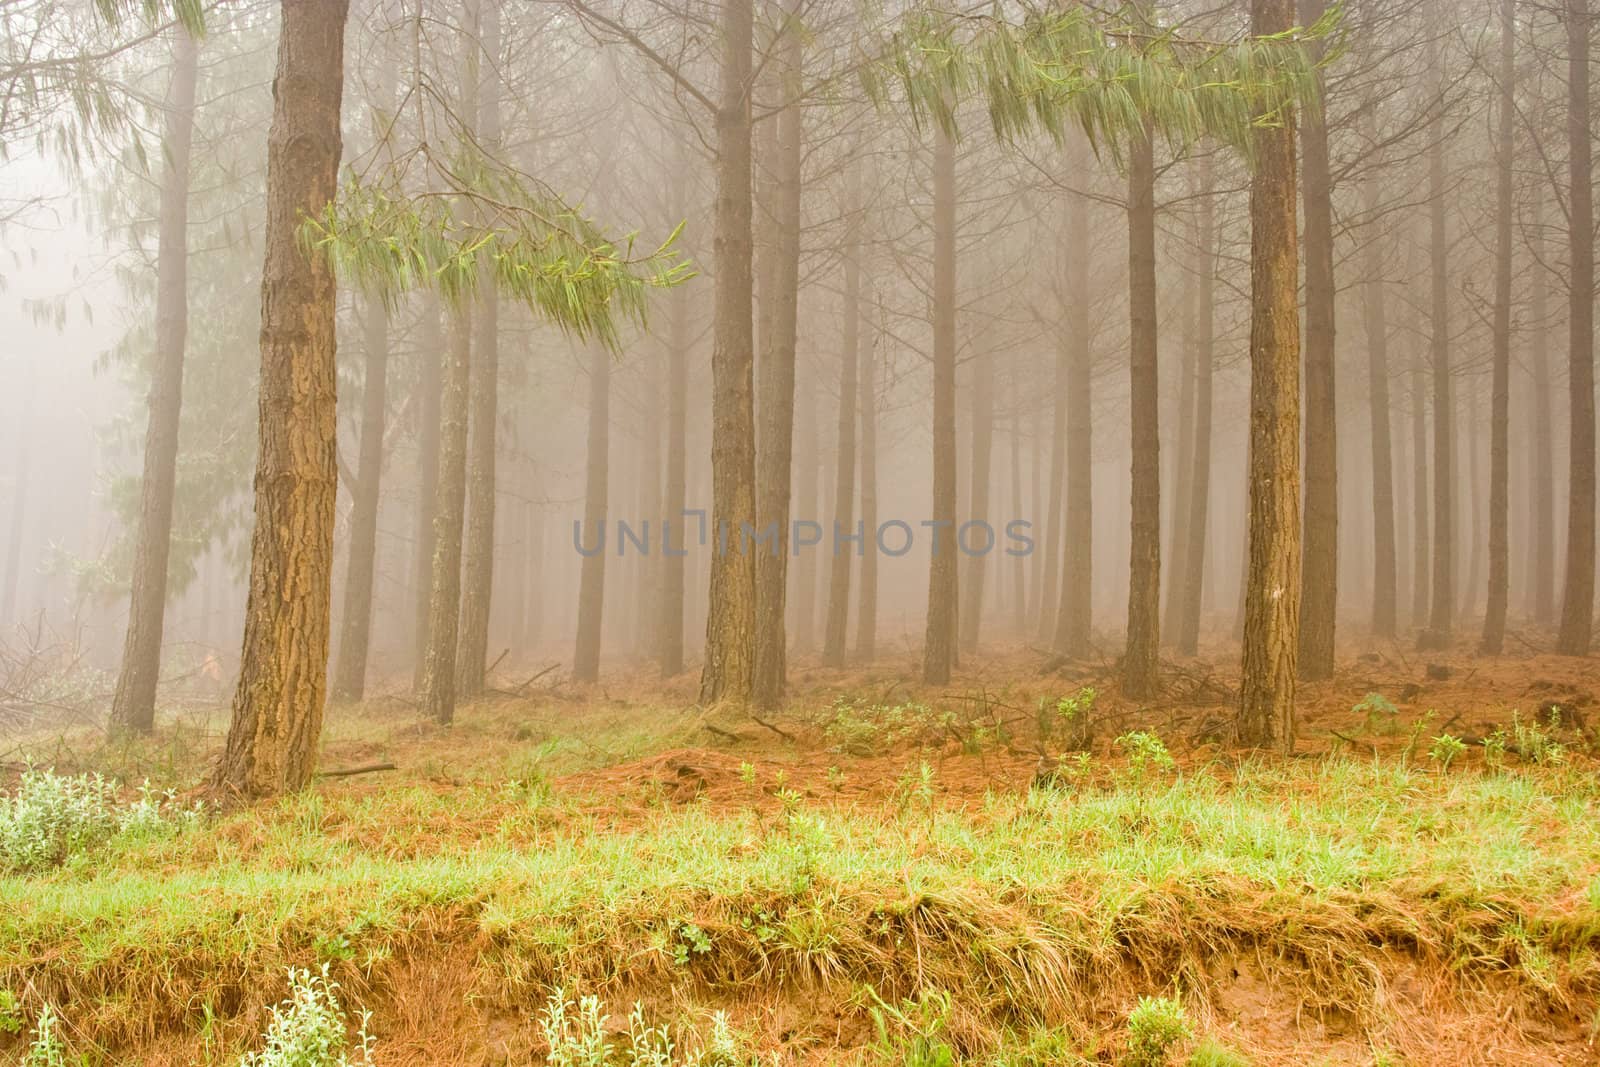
1385 562
1052 547
1200 459
1140 662
277 708
939 642
596 494
844 483
808 463
731 619
867 603
1441 615
355 632
1577 605
1074 613
133 708
669 638
1183 449
449 513
1319 574
775 444
1272 582
978 510
1494 617
430 386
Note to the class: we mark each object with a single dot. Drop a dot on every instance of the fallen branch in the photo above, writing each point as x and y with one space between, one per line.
365 768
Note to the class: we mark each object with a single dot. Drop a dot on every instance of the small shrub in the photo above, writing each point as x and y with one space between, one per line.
1073 716
1377 709
52 817
11 1012
1155 1025
910 1035
1212 1053
575 1034
1146 753
308 1028
1531 742
1494 748
47 1048
1445 748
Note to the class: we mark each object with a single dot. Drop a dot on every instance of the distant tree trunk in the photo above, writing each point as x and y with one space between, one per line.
1272 583
1385 563
939 643
277 708
1542 522
1194 571
1074 615
1577 606
669 639
1494 617
982 469
867 604
807 498
596 494
1052 548
449 512
19 509
844 483
1421 549
430 385
775 444
1140 663
1441 615
731 619
1319 574
478 580
1019 592
355 632
133 708
1183 450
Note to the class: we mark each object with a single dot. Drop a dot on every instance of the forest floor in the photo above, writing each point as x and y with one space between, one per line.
874 875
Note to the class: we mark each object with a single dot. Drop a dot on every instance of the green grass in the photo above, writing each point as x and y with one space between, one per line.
1021 906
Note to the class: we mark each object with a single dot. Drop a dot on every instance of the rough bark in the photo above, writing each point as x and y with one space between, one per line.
844 483
1272 581
775 443
449 513
1542 523
730 621
1140 660
1205 340
277 707
1319 574
1577 604
133 708
596 493
1441 614
939 642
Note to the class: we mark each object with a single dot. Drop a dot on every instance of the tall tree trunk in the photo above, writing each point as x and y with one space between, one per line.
1494 618
1421 542
844 483
430 386
669 639
1543 520
1319 573
939 642
1019 573
1140 662
1200 458
982 468
867 603
133 708
277 708
775 444
731 619
1183 450
1577 605
1052 548
1385 563
1074 614
597 482
355 632
449 512
478 579
1272 582
1441 615
808 462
